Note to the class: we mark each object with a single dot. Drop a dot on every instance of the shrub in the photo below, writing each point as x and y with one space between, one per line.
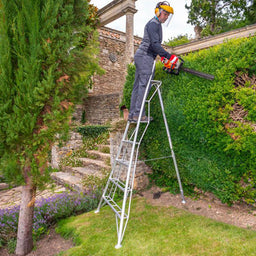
214 152
179 40
93 131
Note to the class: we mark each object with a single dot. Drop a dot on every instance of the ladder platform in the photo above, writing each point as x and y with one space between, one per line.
119 184
114 206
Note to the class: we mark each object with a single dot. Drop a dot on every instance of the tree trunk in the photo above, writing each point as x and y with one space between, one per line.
213 17
25 226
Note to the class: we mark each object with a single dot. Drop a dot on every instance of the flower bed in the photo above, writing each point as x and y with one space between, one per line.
47 212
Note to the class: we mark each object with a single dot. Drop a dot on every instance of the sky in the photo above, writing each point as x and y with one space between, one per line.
178 25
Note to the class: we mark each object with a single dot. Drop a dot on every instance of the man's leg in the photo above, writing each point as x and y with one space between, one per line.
134 96
144 64
142 84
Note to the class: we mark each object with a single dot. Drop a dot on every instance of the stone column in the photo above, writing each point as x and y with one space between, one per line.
129 35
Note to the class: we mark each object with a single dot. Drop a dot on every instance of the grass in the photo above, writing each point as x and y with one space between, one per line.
156 231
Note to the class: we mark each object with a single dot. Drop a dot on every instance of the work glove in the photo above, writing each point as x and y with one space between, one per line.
172 63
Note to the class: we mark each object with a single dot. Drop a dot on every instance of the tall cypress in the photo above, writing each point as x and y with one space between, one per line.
46 59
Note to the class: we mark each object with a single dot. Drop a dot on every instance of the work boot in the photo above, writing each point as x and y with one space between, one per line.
144 119
130 119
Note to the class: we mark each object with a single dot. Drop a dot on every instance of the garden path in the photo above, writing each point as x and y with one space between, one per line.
12 197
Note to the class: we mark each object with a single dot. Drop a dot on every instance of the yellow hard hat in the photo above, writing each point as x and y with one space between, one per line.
164 6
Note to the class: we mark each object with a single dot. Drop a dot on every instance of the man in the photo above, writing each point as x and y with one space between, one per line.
145 56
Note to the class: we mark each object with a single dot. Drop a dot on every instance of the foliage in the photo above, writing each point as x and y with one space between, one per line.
179 40
47 53
47 212
169 231
214 152
215 14
93 131
250 12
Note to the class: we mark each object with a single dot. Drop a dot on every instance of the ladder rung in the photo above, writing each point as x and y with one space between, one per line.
130 141
123 162
120 184
115 207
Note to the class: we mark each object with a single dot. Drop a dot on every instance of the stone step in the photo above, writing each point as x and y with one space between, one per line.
94 164
99 155
85 171
104 148
4 186
68 179
76 136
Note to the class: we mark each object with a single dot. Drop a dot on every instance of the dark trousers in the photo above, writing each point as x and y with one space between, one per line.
144 64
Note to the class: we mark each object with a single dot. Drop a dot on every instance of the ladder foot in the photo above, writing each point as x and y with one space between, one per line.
97 211
118 246
183 201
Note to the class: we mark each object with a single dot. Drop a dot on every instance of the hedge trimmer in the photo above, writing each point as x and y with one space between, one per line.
171 69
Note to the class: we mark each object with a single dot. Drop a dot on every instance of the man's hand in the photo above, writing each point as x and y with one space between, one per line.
172 63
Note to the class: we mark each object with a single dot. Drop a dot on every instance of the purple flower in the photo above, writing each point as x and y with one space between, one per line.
47 211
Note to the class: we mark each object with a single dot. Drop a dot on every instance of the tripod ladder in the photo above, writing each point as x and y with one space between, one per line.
121 179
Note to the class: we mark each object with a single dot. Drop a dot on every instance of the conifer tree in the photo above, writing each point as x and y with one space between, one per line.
46 59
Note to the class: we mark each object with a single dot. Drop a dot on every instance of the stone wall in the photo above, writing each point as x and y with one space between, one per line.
210 41
112 60
100 109
102 104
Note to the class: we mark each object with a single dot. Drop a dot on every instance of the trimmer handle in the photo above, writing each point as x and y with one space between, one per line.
175 71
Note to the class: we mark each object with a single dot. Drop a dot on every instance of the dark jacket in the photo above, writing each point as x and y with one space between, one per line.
152 39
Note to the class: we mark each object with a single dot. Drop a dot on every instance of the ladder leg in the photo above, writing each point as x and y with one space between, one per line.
170 144
112 171
121 230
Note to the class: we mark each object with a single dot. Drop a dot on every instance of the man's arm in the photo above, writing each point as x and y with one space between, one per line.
155 42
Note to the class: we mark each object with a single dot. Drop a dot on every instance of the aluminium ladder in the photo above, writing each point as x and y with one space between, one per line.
121 179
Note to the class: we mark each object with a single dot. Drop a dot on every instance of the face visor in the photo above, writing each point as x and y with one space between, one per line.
167 22
166 9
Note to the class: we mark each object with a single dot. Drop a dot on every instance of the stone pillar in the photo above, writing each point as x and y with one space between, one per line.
129 35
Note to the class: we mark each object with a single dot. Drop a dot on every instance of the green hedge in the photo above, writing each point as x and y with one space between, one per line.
214 152
92 131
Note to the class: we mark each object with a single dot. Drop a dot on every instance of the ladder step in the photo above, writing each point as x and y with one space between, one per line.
114 206
130 142
119 184
123 162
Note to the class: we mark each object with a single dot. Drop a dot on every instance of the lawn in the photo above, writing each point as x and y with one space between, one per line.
156 231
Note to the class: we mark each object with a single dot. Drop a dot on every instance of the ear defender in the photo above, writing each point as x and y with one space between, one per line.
157 11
